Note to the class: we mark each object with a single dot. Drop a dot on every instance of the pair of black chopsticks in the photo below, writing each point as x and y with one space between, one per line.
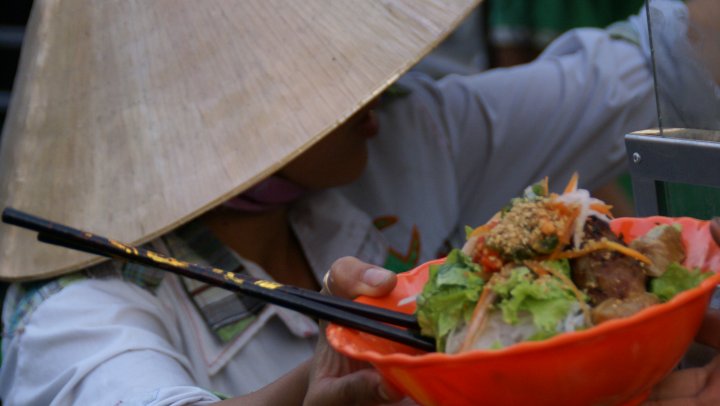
370 319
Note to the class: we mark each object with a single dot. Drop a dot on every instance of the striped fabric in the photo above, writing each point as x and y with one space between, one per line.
226 313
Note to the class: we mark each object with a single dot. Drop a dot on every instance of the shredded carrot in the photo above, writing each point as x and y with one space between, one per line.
569 213
537 268
572 184
603 245
565 237
483 229
479 316
602 208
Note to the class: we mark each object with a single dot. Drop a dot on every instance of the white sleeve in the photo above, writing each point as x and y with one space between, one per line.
567 111
98 342
477 141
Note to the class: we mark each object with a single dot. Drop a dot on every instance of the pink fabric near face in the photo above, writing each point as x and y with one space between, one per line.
271 193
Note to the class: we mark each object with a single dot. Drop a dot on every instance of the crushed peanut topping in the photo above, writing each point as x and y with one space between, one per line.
529 228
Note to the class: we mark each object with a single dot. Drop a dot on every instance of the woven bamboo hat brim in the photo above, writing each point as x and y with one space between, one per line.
129 118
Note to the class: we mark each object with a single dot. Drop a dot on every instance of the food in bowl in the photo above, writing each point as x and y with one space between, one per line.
615 362
545 265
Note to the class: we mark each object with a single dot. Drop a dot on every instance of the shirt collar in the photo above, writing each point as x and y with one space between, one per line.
328 227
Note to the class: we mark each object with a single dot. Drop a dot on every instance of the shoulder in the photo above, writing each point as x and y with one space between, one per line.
24 298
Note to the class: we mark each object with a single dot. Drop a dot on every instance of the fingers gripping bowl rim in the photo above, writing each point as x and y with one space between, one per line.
616 362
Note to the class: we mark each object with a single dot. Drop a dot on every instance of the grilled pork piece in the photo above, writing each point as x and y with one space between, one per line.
663 245
607 274
615 308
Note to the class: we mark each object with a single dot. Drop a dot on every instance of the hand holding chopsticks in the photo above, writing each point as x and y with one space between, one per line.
337 310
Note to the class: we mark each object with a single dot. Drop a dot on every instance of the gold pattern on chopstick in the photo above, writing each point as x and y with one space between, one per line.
232 278
169 261
268 284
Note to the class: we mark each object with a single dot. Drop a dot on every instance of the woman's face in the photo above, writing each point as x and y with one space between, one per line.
337 159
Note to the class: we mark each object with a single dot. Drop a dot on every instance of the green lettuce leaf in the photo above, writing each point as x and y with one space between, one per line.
449 296
676 279
535 191
545 298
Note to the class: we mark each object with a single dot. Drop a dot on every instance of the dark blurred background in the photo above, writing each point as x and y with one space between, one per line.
13 17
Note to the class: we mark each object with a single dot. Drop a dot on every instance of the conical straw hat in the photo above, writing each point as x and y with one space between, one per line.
130 118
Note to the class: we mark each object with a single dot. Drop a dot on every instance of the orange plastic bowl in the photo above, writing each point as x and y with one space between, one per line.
616 362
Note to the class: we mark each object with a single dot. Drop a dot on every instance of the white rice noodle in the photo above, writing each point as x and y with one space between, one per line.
407 300
470 245
495 333
498 333
581 198
574 321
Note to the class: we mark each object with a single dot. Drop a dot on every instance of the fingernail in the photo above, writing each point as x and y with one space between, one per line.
376 276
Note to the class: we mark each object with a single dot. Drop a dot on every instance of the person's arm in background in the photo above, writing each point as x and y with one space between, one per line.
567 111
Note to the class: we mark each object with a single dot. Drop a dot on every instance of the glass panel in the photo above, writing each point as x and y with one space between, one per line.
685 43
678 200
684 40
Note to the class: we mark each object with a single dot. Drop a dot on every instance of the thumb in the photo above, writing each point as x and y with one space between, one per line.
362 387
349 277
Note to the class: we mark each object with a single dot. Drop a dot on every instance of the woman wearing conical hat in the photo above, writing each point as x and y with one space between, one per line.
258 136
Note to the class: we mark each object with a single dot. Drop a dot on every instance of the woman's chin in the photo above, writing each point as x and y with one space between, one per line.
349 173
